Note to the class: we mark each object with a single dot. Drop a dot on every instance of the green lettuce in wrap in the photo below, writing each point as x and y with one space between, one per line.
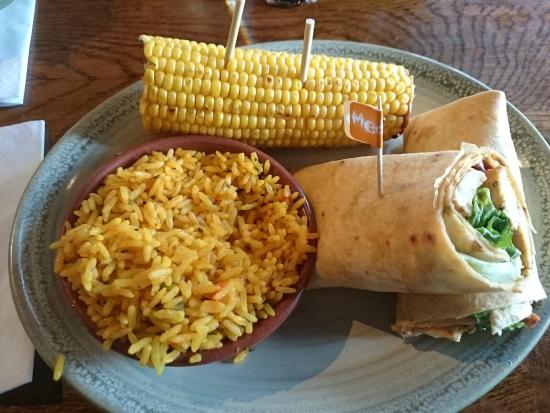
494 225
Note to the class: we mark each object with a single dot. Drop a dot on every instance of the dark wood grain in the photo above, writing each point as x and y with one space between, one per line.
83 52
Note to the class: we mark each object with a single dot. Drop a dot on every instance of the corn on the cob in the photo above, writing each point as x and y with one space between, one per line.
258 96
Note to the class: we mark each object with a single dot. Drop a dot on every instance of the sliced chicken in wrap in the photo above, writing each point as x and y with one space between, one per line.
479 119
436 229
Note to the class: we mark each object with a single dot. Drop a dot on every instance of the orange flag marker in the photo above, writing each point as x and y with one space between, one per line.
365 123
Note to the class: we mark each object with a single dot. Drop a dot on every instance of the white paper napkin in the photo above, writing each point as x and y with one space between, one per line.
21 150
16 18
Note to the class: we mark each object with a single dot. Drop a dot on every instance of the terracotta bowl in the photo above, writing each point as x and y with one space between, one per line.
208 144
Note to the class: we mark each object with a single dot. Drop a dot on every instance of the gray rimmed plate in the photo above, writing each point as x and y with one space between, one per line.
335 353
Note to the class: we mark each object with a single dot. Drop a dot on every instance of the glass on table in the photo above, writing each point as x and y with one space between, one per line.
289 3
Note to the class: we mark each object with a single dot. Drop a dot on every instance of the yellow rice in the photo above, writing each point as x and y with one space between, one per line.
182 251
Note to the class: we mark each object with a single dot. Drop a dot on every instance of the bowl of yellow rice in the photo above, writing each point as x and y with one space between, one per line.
186 250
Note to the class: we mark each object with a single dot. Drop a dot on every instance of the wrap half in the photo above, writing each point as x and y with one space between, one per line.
451 315
416 237
479 119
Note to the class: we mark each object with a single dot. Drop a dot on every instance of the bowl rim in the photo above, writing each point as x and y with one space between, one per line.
208 144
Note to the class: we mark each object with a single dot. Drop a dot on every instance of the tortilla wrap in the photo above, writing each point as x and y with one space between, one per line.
398 242
450 315
480 119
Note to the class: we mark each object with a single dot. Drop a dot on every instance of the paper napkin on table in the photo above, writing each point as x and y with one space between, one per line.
21 150
16 17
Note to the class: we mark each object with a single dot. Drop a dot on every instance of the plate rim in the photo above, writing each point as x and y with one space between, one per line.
15 280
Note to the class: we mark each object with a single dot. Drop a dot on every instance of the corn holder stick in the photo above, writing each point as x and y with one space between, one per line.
306 49
234 30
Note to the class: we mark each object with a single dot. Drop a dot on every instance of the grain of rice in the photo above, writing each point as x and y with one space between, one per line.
58 367
182 251
239 358
195 358
132 337
171 356
106 345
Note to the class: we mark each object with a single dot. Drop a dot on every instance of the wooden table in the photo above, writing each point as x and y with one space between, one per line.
83 52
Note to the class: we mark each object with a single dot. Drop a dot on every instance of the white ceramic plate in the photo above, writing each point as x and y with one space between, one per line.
336 352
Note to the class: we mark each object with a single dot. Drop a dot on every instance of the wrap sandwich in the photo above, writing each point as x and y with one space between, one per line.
479 119
434 230
451 315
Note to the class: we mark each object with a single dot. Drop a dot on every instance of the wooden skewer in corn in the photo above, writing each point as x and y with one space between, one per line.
234 30
306 49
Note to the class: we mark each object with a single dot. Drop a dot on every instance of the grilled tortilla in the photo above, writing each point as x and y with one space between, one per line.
451 315
415 237
479 119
